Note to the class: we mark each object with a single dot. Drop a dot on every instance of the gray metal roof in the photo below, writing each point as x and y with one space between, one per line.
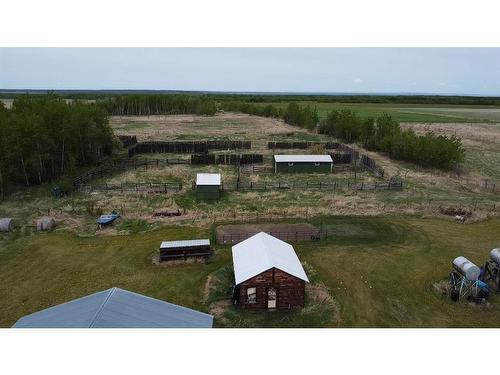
116 308
208 179
184 243
303 158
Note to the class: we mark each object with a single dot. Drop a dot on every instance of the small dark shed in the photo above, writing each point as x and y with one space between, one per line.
303 164
208 186
268 274
173 250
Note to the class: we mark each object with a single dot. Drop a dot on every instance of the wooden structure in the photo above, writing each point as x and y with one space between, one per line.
208 186
175 250
268 274
303 164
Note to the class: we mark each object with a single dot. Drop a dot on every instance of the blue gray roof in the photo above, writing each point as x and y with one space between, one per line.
116 308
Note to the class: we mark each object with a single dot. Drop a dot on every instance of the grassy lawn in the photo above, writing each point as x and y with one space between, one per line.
379 271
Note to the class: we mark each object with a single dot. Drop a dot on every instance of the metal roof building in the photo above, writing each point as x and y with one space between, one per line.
184 243
208 186
303 158
303 163
116 308
208 179
174 250
262 252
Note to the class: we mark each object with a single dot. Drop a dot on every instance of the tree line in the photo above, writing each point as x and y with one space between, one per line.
146 105
270 98
383 134
294 114
43 137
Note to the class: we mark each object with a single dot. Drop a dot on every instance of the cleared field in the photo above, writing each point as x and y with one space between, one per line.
374 272
410 112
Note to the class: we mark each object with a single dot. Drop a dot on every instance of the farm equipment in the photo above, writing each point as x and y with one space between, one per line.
464 282
491 270
107 219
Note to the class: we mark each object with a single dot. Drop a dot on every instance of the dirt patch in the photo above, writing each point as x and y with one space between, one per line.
235 233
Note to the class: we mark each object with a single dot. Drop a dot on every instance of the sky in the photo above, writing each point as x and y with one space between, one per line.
470 71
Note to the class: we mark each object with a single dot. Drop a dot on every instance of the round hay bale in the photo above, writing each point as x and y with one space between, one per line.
45 223
6 224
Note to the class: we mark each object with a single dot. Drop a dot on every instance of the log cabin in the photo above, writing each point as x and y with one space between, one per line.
268 274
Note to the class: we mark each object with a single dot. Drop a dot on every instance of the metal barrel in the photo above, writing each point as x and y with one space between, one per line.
466 268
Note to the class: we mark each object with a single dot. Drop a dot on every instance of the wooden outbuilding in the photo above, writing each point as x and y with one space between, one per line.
268 274
303 164
208 186
174 250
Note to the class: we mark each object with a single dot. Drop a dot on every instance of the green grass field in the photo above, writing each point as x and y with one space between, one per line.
380 272
410 112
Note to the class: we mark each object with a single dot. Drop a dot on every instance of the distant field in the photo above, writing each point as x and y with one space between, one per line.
411 112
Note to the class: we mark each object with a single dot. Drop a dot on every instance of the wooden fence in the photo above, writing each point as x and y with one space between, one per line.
226 159
189 147
301 145
307 186
128 140
234 238
138 187
372 166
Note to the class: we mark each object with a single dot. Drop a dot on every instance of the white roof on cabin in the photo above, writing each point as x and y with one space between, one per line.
303 158
184 243
208 179
262 252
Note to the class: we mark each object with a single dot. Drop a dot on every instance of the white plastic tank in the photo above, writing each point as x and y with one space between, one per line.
495 255
465 267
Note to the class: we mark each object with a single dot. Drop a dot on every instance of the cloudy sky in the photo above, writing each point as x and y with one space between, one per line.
327 70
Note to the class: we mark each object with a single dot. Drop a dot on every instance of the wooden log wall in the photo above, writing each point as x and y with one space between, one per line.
290 290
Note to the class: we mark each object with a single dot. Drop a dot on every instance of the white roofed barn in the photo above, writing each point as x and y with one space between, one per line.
268 274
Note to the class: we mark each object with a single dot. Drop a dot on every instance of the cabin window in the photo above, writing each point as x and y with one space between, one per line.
316 164
290 164
252 295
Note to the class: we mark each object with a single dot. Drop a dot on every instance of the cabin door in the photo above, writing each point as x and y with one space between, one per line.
271 298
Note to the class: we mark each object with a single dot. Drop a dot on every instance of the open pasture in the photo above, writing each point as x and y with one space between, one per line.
410 112
373 272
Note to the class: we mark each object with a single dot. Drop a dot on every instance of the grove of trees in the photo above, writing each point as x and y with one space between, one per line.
385 135
145 105
43 137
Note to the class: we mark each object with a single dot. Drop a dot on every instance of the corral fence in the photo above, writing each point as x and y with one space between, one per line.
490 186
234 238
341 158
307 186
253 168
372 166
128 140
178 147
301 145
138 187
226 159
